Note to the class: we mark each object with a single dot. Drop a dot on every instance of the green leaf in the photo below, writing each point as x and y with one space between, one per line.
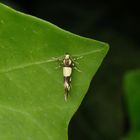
132 136
32 105
132 94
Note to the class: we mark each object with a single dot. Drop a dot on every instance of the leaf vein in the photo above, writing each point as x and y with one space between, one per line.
23 66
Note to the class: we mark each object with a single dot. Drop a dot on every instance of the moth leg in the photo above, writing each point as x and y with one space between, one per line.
77 69
60 66
59 60
77 63
76 58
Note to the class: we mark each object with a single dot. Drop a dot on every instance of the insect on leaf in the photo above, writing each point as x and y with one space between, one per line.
32 105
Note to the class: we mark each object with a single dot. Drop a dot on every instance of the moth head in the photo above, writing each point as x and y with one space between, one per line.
67 56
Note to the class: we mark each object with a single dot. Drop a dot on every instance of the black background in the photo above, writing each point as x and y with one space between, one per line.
103 113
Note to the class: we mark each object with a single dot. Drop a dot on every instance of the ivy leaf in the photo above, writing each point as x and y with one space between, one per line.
32 105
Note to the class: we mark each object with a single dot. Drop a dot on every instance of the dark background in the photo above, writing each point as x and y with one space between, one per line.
103 113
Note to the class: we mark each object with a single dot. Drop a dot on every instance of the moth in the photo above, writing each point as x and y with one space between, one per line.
68 64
